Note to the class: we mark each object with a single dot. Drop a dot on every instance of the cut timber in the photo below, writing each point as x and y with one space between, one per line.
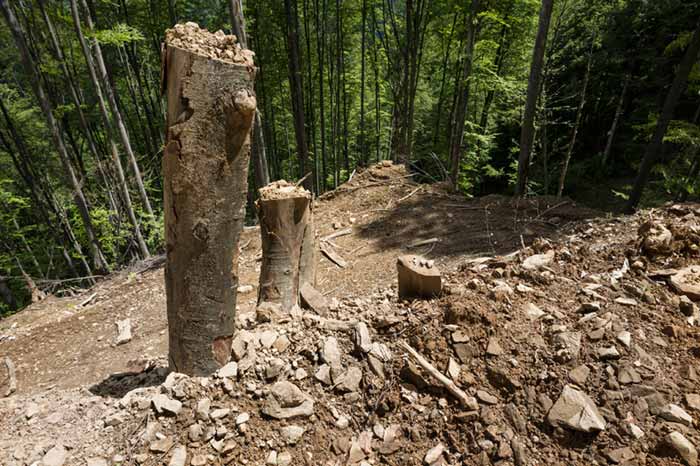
312 299
208 80
465 400
333 256
287 233
418 277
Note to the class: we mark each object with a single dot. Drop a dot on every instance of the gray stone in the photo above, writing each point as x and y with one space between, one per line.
537 261
323 374
363 341
56 456
123 331
284 459
292 434
96 462
350 380
161 446
567 345
608 353
271 458
203 407
627 375
268 338
486 398
179 457
330 354
242 418
219 413
274 368
32 410
287 401
533 312
434 454
198 460
674 413
164 405
494 347
229 370
579 374
692 400
575 410
683 448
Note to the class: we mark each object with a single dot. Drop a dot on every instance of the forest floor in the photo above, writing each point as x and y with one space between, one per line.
557 321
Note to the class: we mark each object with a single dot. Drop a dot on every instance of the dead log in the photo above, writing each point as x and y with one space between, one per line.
208 80
288 250
332 255
418 277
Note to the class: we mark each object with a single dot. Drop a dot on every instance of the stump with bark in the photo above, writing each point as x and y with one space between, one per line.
208 80
288 243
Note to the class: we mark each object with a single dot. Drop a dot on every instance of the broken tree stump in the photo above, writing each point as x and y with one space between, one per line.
418 277
208 80
288 243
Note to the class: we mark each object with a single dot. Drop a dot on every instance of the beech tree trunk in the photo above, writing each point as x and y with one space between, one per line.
121 179
118 120
616 120
654 147
527 132
288 243
211 107
579 114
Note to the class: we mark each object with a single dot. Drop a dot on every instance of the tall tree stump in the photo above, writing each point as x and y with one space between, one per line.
288 243
208 80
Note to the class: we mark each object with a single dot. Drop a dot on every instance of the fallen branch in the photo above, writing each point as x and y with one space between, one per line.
423 242
466 400
87 300
336 234
556 206
333 256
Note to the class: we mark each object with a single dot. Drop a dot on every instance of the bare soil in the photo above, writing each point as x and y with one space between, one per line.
69 366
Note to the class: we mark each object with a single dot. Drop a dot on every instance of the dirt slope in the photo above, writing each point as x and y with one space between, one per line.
514 331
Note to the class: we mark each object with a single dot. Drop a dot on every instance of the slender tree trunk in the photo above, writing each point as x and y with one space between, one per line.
310 99
258 150
297 88
653 149
362 158
320 42
616 120
443 80
527 132
121 179
118 120
462 90
78 195
579 113
498 60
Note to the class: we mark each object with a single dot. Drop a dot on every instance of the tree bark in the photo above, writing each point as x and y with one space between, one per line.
78 195
577 122
527 132
118 120
288 251
653 149
211 107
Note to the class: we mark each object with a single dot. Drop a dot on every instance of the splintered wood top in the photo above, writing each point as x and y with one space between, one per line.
282 190
217 45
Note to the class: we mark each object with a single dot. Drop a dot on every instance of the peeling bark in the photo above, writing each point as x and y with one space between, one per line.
288 243
210 113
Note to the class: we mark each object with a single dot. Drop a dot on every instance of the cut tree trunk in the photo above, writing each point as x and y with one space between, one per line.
288 238
418 277
209 84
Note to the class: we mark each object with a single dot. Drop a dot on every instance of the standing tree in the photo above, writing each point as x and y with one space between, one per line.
211 108
46 108
654 147
297 87
527 132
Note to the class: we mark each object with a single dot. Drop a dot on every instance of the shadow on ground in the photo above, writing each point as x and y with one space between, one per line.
118 385
491 225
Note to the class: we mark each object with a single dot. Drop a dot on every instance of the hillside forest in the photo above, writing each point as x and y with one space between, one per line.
597 100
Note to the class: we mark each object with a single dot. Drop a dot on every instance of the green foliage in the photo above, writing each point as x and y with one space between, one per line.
119 35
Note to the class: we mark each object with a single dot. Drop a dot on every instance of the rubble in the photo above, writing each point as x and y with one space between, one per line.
575 410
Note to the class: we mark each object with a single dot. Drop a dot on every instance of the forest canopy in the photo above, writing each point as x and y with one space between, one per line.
450 88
